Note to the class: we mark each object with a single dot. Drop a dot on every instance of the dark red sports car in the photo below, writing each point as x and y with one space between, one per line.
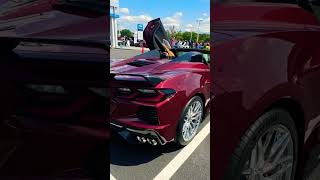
266 74
161 95
53 110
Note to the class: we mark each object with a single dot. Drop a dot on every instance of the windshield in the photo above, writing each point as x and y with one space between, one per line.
185 56
154 54
180 55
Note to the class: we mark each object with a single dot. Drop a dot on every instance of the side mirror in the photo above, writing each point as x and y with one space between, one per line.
197 58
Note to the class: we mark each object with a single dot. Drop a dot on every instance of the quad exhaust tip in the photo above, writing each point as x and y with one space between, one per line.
144 140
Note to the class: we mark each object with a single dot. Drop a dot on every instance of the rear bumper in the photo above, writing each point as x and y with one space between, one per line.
137 132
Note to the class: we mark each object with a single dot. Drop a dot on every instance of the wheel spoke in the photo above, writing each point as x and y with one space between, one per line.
269 137
196 115
281 151
260 153
189 113
279 146
197 107
253 159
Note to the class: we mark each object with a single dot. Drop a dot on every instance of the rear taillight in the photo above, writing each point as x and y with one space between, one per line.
124 91
148 92
145 95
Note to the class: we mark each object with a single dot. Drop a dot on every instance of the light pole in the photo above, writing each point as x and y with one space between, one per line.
191 33
198 20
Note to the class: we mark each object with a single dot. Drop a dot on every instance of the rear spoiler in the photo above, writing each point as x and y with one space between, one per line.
102 44
136 79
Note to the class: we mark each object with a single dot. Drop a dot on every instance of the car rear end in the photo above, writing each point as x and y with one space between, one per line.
143 109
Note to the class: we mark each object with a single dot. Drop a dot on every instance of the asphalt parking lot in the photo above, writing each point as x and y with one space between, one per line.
139 162
124 53
144 162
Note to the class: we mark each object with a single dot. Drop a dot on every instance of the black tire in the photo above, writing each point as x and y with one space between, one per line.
258 129
180 140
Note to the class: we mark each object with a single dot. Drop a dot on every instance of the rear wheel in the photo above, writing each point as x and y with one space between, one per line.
190 121
268 150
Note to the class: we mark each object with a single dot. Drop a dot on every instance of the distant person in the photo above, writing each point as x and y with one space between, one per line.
173 43
128 42
207 47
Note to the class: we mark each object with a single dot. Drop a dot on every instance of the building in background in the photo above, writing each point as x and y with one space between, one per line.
138 34
114 9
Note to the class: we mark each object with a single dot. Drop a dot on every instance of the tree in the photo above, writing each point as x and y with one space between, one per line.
186 35
168 34
178 36
204 38
126 32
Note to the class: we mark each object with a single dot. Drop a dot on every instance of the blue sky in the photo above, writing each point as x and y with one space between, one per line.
179 13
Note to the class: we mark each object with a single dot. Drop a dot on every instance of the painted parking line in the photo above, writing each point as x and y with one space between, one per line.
182 156
112 177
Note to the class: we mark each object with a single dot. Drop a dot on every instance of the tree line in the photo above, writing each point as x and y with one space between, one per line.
180 36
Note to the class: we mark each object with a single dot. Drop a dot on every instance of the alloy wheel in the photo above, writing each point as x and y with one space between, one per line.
272 157
192 120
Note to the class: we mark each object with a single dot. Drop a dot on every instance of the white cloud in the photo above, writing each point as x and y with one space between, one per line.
124 11
204 14
189 25
178 14
199 19
205 25
174 20
135 19
130 22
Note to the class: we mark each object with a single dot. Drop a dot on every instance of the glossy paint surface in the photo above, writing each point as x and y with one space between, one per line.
265 56
49 135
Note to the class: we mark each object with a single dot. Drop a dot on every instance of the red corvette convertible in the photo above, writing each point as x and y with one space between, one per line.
266 84
161 95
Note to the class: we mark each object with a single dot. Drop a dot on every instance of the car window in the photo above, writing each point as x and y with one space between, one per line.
185 56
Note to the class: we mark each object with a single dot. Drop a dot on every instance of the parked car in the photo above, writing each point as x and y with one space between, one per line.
162 95
265 75
53 89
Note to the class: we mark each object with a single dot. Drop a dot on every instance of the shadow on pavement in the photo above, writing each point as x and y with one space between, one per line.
124 154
